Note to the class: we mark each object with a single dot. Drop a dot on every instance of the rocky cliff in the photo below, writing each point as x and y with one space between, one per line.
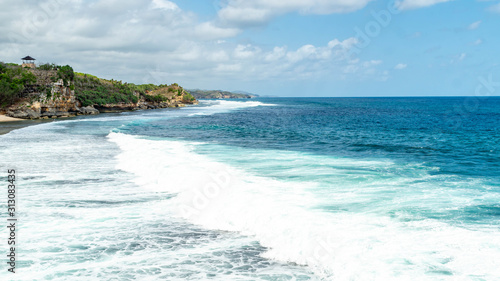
57 101
93 95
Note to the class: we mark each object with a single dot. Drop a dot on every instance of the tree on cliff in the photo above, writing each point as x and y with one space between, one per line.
66 73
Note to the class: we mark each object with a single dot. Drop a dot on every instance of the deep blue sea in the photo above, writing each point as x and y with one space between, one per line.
262 189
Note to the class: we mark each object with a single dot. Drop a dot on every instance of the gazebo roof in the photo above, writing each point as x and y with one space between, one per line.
28 58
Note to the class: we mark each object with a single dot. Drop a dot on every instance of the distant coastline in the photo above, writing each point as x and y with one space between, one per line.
219 94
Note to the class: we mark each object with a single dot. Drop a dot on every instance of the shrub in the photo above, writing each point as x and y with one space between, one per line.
47 66
155 98
102 96
91 90
8 92
188 97
48 93
13 81
28 78
66 73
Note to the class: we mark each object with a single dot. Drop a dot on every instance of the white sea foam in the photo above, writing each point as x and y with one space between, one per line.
81 219
220 106
285 217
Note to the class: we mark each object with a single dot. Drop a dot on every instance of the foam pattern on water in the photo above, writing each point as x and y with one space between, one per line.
298 222
82 219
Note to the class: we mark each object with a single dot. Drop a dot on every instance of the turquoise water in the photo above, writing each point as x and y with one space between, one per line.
263 189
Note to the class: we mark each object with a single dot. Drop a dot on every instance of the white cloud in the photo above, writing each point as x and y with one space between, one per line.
246 51
350 69
230 68
276 54
209 31
495 8
257 12
458 58
372 63
244 16
155 41
305 62
416 4
346 44
304 52
400 66
218 56
474 25
164 4
478 42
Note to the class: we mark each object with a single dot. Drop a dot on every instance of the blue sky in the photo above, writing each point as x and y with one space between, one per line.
277 48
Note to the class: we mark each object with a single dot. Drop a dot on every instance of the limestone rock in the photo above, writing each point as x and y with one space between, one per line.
89 110
24 113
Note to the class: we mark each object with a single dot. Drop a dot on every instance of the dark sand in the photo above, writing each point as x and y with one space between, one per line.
6 127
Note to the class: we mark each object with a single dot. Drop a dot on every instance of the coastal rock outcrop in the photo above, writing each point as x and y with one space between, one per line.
60 101
52 91
26 113
57 101
88 110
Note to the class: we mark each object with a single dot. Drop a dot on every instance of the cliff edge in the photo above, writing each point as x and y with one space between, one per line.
51 91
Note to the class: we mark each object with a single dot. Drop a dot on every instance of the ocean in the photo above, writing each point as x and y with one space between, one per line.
261 189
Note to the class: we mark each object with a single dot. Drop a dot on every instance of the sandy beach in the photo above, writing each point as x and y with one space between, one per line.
4 118
8 124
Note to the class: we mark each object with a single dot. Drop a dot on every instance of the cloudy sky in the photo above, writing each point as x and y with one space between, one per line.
267 47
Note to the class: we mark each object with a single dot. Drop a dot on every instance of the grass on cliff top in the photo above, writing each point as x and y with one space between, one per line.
91 90
88 80
171 92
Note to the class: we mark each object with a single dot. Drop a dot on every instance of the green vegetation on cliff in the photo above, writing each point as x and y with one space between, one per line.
91 90
13 82
19 85
66 73
155 98
188 97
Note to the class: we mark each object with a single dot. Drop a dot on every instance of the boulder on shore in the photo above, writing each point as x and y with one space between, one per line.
26 113
88 110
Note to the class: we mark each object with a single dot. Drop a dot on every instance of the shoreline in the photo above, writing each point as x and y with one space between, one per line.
5 118
8 124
